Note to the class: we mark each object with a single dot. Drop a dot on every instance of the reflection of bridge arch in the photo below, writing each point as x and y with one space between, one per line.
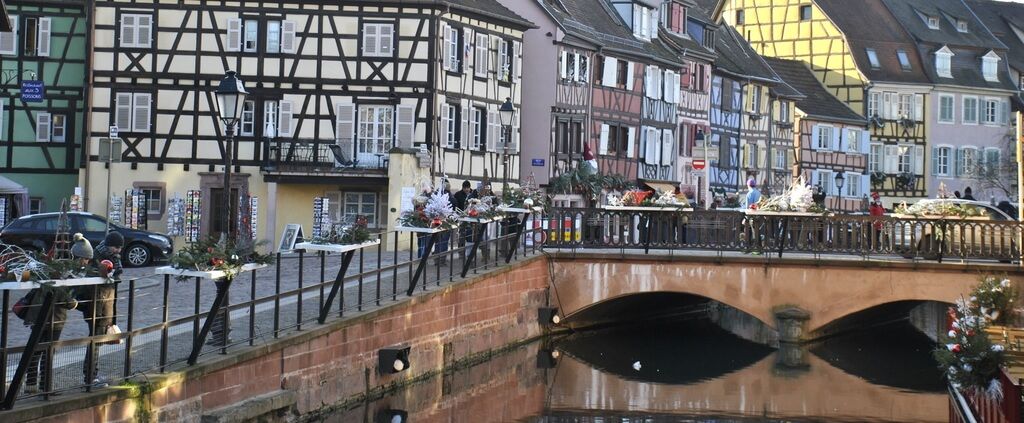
828 291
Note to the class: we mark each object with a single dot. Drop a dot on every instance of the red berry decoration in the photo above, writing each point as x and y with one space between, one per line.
956 348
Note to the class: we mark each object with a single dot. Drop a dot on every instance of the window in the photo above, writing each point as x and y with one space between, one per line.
904 59
716 92
9 40
755 99
940 160
622 75
906 106
779 159
943 64
751 154
450 120
574 67
933 22
378 40
35 205
945 108
739 17
270 118
875 158
273 37
853 141
805 13
59 124
361 204
30 35
989 67
852 186
991 163
478 121
673 17
154 199
618 141
961 25
136 31
873 100
252 35
248 125
376 129
906 160
827 182
823 138
967 161
505 55
481 48
990 114
970 112
133 111
784 111
873 58
452 50
737 95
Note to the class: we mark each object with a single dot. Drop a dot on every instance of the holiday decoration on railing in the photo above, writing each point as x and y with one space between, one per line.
357 232
798 198
527 197
484 208
993 299
224 255
193 215
176 216
431 211
969 358
939 209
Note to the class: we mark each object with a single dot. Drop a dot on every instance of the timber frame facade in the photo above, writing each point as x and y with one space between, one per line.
41 141
339 91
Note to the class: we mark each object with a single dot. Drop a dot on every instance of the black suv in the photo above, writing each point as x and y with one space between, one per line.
37 232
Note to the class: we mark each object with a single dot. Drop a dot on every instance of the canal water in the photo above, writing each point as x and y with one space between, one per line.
683 371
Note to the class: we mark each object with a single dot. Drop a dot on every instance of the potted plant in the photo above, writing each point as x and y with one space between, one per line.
430 213
798 199
216 258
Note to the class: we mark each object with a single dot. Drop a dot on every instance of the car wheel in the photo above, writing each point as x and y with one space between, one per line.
137 255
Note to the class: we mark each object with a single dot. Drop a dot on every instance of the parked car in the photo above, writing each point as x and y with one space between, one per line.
980 233
38 231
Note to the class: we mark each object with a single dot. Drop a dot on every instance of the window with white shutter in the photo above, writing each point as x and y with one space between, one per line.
504 60
344 128
608 76
234 36
136 31
918 160
602 146
630 141
286 124
405 129
891 159
517 60
288 40
58 128
43 127
43 40
9 40
480 59
378 40
123 111
142 104
666 147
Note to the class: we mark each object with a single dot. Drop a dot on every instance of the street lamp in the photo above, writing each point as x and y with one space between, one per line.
507 112
840 181
230 98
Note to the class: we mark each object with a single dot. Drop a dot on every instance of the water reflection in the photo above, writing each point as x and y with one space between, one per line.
688 372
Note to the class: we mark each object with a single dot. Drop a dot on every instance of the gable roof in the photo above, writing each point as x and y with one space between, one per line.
1000 18
596 22
869 24
817 102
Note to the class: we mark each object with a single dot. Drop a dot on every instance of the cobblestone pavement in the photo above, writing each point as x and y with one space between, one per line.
358 295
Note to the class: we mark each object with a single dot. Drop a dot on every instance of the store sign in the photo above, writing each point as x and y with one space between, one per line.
32 91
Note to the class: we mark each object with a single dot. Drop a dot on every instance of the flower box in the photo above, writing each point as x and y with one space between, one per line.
422 230
781 213
648 208
534 209
206 274
335 248
9 286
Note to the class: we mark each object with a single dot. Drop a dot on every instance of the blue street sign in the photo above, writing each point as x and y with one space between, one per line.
538 162
32 91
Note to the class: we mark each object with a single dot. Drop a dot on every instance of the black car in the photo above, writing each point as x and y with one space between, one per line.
37 232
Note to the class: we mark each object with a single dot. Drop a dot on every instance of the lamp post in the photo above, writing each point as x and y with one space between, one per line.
840 181
507 112
230 98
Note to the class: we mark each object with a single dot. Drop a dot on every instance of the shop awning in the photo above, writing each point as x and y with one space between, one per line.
661 186
8 187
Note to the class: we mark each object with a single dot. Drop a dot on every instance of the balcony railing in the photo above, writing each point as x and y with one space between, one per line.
316 157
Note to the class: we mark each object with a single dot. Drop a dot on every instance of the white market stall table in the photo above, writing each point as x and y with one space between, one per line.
45 309
347 251
222 282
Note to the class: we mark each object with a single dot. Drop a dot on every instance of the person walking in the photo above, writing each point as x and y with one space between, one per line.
97 301
459 202
877 211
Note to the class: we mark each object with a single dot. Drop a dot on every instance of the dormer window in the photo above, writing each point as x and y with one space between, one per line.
933 22
904 59
989 66
673 17
943 62
645 22
961 25
873 58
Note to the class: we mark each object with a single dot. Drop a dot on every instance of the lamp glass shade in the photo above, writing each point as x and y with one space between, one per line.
230 98
507 112
840 180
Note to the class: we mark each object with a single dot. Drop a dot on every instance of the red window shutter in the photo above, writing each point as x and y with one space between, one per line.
677 17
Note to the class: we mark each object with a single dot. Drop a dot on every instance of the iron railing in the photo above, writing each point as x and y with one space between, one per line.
730 231
161 317
318 157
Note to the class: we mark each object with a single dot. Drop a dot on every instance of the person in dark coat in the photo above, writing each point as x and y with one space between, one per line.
35 377
98 300
445 238
459 201
968 195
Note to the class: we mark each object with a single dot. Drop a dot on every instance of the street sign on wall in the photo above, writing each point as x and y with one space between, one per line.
537 162
32 91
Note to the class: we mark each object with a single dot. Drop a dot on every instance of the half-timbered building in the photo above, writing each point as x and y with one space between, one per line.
863 56
43 67
691 40
831 139
349 100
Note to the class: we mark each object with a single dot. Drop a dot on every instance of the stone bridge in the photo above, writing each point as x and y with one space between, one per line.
598 287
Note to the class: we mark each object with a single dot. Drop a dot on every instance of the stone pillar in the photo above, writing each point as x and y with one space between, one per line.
406 168
790 321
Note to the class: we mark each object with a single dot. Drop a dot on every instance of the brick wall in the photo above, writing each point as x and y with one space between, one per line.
336 363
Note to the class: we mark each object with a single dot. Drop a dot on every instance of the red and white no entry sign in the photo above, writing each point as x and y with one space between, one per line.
699 164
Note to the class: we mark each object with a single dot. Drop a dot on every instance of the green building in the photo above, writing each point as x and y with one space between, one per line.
41 139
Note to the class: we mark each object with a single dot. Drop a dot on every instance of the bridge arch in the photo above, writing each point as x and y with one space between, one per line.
828 291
